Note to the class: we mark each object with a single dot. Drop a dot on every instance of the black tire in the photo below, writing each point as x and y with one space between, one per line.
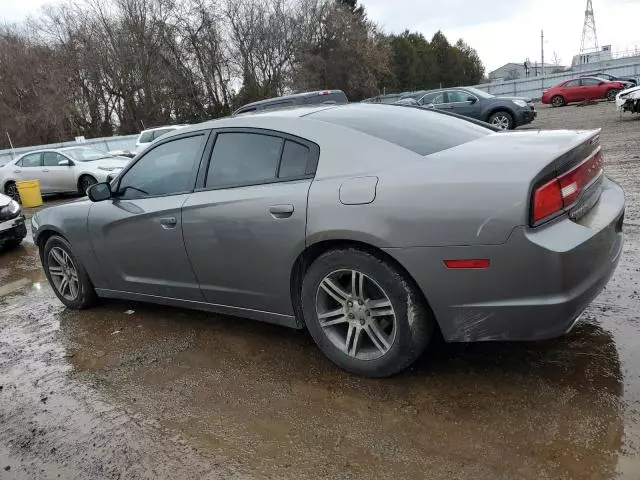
84 183
414 320
502 120
86 295
611 94
558 101
11 190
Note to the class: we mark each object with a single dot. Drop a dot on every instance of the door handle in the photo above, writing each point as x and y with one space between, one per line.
281 211
17 171
168 222
45 170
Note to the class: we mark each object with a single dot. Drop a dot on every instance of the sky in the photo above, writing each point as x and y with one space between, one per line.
500 30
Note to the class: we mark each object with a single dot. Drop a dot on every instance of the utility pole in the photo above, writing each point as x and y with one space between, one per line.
542 51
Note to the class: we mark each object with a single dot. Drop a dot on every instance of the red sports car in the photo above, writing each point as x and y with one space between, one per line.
581 89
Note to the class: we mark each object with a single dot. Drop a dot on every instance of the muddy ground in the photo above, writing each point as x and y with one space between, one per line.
169 393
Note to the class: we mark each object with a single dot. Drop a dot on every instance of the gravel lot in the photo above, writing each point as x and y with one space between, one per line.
128 390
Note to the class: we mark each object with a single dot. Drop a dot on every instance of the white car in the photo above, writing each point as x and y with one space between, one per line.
629 100
148 136
12 226
62 170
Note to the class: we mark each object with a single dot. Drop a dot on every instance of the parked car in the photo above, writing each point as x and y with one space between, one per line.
629 100
580 90
148 136
62 170
297 99
12 226
629 81
505 113
370 225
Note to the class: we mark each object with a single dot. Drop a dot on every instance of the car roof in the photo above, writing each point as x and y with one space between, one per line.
267 118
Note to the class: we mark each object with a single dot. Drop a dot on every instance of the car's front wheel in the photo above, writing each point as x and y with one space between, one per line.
502 120
84 183
558 101
66 274
364 314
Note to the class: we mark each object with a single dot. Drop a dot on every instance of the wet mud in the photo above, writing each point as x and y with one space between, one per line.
128 390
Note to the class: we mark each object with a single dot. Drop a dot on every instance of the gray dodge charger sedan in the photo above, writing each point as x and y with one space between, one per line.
372 226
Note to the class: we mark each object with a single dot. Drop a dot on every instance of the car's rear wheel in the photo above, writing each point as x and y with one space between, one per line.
364 314
611 94
558 101
11 190
502 120
84 183
66 274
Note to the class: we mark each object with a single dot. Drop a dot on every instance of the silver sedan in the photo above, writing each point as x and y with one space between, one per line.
372 226
62 170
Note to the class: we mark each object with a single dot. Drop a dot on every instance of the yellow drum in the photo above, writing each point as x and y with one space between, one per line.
29 191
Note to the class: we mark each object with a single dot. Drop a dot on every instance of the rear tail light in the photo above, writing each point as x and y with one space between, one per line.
563 191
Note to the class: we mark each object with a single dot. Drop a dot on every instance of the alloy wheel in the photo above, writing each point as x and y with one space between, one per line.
500 121
64 273
557 101
356 314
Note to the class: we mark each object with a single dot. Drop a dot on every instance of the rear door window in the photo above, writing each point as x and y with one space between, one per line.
419 130
243 159
295 160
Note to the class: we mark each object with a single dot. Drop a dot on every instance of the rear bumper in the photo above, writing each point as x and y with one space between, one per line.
14 229
539 282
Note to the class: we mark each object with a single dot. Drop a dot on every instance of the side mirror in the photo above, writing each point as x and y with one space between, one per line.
471 100
64 163
600 83
99 192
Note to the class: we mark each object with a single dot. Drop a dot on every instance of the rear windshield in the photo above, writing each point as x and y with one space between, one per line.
421 131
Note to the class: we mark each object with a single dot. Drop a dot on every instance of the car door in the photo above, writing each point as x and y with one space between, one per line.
137 235
57 178
591 88
571 91
460 102
30 168
245 223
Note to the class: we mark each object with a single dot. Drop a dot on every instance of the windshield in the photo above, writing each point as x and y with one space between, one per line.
479 93
86 154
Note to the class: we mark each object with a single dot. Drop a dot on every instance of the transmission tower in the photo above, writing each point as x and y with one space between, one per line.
589 35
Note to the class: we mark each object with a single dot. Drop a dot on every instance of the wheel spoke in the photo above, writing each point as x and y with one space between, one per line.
63 285
73 288
56 271
57 257
377 336
355 342
357 285
337 293
338 312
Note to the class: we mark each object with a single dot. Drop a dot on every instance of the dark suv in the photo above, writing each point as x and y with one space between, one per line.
505 113
305 98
